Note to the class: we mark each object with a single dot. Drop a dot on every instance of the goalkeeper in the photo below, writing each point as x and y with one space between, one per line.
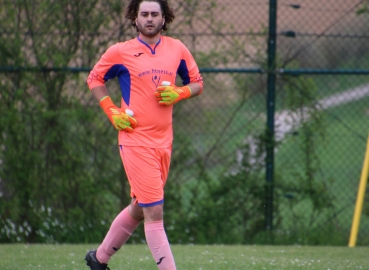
144 137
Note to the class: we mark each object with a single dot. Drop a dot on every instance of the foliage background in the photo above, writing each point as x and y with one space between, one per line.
61 178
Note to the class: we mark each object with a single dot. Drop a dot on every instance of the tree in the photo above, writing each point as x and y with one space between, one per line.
53 182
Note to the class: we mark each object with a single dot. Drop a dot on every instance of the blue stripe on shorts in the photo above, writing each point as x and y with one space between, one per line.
151 204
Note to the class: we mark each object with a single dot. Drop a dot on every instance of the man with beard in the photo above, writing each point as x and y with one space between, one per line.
144 122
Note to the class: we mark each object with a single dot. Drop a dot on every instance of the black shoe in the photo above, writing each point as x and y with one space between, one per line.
93 263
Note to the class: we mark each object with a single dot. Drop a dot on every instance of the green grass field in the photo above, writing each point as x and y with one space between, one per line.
71 257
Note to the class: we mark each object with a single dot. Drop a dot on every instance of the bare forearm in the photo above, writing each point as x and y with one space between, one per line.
99 92
195 89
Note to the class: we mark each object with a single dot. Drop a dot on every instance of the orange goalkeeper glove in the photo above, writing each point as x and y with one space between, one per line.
171 94
120 120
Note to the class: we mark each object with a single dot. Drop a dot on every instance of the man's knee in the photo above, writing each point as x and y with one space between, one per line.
153 213
136 211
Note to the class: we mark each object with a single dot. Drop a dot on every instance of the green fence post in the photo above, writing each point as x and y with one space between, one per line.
270 115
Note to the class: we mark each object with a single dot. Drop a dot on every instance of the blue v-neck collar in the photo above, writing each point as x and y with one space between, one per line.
147 45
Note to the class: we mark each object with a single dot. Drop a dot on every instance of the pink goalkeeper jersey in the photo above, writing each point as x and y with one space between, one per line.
140 69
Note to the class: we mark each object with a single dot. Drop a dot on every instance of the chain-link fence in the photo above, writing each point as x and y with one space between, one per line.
218 190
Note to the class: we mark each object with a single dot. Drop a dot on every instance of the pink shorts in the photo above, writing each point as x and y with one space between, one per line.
147 171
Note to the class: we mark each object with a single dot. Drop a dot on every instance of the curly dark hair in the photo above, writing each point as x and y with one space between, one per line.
133 6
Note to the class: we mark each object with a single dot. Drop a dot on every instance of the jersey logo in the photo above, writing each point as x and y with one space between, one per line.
137 55
156 80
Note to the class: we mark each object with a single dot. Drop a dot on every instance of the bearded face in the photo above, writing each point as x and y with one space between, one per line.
149 20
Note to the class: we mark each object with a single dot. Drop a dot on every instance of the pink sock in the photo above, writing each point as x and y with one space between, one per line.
157 241
120 231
